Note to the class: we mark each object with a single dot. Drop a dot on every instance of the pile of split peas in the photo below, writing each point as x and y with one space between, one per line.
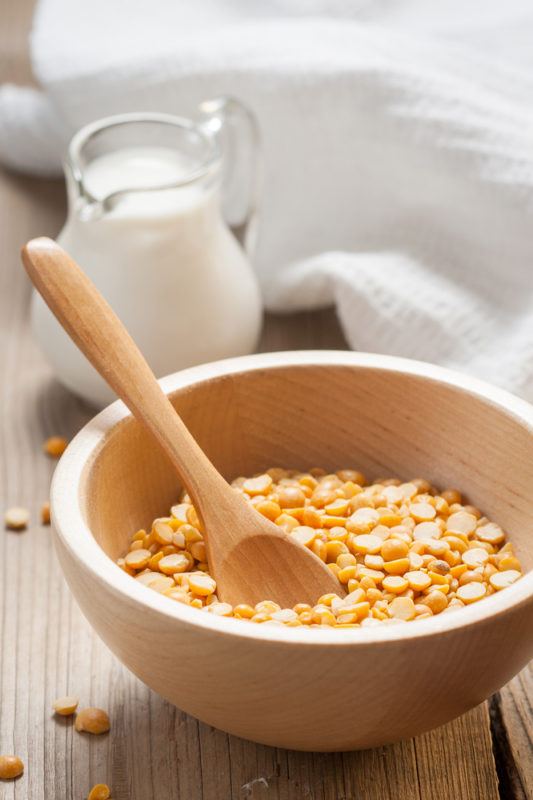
401 551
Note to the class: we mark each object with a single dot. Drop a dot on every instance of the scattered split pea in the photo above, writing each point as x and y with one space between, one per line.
10 767
55 446
16 518
92 720
65 706
100 792
45 514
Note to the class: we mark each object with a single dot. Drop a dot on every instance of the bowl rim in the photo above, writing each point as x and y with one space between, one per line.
73 533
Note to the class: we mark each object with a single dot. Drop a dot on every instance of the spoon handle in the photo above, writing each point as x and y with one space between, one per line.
100 335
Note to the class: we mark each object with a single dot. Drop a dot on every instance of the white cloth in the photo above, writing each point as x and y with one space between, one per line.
398 140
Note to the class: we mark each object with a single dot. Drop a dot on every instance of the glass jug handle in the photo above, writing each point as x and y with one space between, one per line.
236 131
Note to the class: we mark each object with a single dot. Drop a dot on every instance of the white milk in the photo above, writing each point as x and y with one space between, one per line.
166 262
135 168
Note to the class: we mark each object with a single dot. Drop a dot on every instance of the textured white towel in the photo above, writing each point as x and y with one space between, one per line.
398 140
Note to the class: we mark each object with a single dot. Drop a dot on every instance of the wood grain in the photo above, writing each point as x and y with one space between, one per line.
514 703
154 751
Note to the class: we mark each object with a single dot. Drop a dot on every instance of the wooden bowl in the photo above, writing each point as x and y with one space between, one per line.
308 689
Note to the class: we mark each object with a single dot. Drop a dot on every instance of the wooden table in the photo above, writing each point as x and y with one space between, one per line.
154 751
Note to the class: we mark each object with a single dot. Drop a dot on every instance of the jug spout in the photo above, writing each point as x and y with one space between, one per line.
130 154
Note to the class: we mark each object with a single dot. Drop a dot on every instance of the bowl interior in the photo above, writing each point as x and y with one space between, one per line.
383 422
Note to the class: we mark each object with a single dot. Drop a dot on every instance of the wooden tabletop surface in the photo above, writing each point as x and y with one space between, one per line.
154 751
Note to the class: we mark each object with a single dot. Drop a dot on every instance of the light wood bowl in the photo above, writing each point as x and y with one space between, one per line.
308 689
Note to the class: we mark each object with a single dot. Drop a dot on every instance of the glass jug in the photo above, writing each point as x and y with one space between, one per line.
151 201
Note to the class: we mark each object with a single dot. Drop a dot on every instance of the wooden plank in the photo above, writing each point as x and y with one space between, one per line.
513 724
457 758
305 331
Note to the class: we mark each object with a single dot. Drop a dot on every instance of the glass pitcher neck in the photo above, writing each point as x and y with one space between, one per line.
138 152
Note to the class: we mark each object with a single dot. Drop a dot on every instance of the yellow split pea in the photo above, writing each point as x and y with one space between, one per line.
45 513
92 720
100 792
55 446
16 518
65 706
401 551
10 767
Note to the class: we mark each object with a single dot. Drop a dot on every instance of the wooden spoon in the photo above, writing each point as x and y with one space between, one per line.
251 558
